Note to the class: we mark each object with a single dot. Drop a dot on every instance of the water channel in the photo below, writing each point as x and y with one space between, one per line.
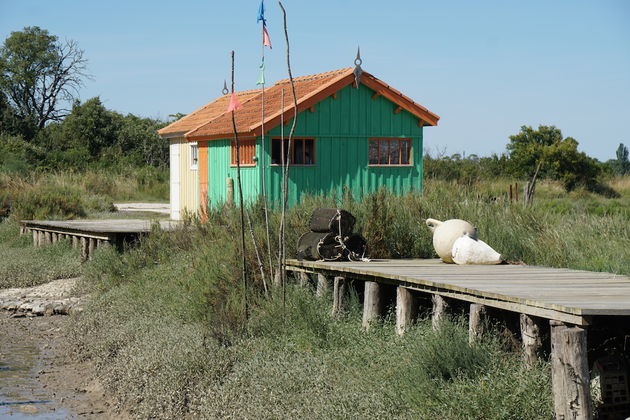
22 395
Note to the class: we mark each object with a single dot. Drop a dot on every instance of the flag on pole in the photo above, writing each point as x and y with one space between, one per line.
261 12
234 103
261 75
266 39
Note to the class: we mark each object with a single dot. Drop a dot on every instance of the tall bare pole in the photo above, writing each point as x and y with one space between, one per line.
263 160
240 198
285 183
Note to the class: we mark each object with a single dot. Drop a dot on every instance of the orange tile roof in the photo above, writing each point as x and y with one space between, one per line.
203 115
216 123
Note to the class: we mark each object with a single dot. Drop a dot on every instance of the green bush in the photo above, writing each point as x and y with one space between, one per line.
53 203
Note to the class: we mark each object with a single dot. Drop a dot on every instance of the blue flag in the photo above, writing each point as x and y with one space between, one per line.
261 12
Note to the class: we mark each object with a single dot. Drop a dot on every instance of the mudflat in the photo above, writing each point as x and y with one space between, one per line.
40 378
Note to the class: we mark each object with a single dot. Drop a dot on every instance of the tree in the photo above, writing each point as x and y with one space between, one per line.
39 73
545 153
621 165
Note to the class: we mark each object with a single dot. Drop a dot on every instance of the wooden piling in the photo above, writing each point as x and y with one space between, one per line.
22 230
229 187
371 303
75 241
35 238
476 322
531 338
85 248
304 279
41 238
569 373
339 296
91 247
54 237
440 309
47 238
322 285
404 309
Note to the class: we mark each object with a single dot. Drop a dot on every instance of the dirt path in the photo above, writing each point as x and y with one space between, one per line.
39 378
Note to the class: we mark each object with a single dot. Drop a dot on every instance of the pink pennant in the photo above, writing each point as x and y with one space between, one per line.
234 103
266 39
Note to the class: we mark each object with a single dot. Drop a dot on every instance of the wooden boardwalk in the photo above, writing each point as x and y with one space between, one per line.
553 293
568 300
89 235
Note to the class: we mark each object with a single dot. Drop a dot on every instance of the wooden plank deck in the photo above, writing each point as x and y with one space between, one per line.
101 226
91 234
553 293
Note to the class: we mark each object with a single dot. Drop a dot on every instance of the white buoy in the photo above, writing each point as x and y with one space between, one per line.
467 250
446 233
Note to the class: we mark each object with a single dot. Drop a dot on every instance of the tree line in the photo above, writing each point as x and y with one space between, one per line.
43 125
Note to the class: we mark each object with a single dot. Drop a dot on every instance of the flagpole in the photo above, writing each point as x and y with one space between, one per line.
263 156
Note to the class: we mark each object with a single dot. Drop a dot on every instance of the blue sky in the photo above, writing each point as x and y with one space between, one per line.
486 67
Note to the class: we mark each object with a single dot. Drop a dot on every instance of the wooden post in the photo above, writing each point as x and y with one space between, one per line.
440 308
85 248
277 279
22 230
47 238
371 303
322 285
54 237
304 279
569 373
404 309
75 241
91 247
41 238
339 296
530 336
35 238
476 322
229 186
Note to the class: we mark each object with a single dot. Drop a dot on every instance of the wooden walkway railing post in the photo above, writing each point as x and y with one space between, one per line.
371 303
569 373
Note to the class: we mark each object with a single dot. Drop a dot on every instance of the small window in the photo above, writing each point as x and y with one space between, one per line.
303 151
389 152
247 152
194 156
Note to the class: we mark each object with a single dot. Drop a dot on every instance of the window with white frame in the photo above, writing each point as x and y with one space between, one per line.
194 155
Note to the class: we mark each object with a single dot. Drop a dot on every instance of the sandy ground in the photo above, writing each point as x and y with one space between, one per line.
39 377
162 208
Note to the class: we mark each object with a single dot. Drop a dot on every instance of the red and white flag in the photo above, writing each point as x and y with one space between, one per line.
266 39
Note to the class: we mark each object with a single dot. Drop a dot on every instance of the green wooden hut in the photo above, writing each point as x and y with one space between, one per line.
353 132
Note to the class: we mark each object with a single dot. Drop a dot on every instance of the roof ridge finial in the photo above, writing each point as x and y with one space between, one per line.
225 90
357 68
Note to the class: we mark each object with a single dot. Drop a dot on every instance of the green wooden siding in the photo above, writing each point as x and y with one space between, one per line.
341 128
219 170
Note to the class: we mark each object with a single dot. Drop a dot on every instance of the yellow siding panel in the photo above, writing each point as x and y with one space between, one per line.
189 180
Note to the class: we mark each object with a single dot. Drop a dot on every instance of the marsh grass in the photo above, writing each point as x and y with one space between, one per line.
71 195
168 330
22 265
